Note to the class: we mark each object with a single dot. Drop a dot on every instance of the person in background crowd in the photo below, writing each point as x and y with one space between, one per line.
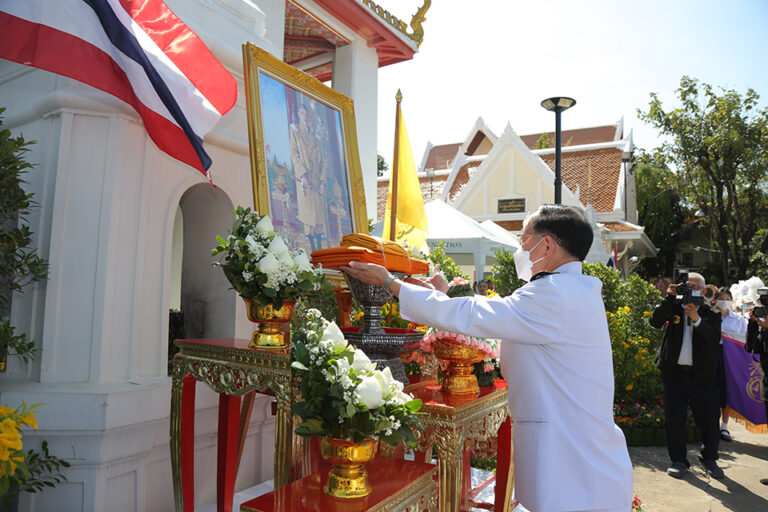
661 284
710 294
482 287
735 327
686 360
757 343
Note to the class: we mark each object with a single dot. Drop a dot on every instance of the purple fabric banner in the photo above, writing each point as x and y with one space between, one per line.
743 381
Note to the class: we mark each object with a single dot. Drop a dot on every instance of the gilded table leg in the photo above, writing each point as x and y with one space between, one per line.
182 439
449 463
283 434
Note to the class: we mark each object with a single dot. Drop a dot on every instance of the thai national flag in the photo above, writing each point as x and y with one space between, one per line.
136 50
613 261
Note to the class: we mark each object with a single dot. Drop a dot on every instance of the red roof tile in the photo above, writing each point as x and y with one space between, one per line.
577 137
431 188
606 166
619 226
462 178
441 157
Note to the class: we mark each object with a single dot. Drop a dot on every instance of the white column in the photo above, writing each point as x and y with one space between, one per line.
355 73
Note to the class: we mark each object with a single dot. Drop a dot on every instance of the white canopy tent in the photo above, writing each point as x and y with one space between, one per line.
467 242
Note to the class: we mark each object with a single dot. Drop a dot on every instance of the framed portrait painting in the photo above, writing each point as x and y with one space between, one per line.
304 158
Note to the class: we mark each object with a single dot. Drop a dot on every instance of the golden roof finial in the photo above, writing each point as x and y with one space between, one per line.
399 96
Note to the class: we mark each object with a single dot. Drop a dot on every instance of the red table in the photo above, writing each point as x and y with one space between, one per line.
231 369
398 485
449 422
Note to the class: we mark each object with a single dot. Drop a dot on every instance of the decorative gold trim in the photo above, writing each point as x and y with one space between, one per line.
255 60
419 495
399 25
448 428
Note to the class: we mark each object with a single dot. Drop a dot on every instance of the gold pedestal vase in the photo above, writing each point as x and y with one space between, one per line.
268 335
348 478
458 378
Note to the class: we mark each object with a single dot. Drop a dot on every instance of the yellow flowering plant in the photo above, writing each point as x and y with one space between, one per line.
19 470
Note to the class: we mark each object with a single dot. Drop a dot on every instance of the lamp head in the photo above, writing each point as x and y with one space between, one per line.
558 103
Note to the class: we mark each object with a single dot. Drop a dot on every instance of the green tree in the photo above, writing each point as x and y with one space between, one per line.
20 264
544 142
381 165
662 213
449 268
504 274
717 144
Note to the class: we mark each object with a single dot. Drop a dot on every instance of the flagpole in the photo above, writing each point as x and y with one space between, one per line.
393 199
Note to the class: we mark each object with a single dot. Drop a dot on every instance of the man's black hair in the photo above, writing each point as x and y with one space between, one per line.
568 225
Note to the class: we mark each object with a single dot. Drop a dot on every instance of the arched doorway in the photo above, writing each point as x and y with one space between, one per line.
205 296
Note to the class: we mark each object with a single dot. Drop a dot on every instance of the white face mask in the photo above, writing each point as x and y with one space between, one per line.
724 305
523 263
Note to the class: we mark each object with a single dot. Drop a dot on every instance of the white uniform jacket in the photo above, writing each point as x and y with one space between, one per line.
556 358
734 326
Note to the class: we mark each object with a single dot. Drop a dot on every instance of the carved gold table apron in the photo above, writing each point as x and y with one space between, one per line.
231 369
449 422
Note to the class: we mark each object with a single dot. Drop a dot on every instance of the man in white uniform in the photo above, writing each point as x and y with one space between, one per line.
556 358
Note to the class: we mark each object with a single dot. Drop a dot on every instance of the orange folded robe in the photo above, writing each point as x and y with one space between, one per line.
370 249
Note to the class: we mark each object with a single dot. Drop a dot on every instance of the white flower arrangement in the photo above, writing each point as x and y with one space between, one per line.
259 264
344 395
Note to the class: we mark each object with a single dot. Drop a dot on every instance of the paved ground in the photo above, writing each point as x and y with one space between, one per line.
744 460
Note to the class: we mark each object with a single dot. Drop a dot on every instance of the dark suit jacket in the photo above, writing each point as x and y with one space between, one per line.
705 337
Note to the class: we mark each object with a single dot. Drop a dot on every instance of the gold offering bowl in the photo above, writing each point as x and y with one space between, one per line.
458 378
269 335
348 478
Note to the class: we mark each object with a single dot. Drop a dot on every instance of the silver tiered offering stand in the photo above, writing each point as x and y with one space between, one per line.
382 345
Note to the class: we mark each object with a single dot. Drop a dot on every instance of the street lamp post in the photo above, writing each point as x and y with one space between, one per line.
557 105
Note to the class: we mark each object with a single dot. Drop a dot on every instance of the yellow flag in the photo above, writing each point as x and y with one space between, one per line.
411 218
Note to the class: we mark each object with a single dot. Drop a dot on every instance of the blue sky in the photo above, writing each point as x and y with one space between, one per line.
498 59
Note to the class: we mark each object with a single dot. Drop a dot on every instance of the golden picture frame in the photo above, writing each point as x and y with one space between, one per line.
305 163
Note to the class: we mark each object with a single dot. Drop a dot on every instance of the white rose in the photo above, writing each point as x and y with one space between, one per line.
302 261
278 247
388 384
333 337
361 363
268 264
264 225
369 392
285 258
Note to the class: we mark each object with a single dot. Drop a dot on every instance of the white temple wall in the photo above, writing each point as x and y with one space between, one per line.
356 68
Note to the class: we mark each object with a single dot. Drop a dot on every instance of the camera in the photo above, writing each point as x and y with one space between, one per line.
762 310
684 290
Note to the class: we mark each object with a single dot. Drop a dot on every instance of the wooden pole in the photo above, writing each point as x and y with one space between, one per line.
393 199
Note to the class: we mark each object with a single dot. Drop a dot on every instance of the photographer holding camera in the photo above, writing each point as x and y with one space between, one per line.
686 359
757 342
